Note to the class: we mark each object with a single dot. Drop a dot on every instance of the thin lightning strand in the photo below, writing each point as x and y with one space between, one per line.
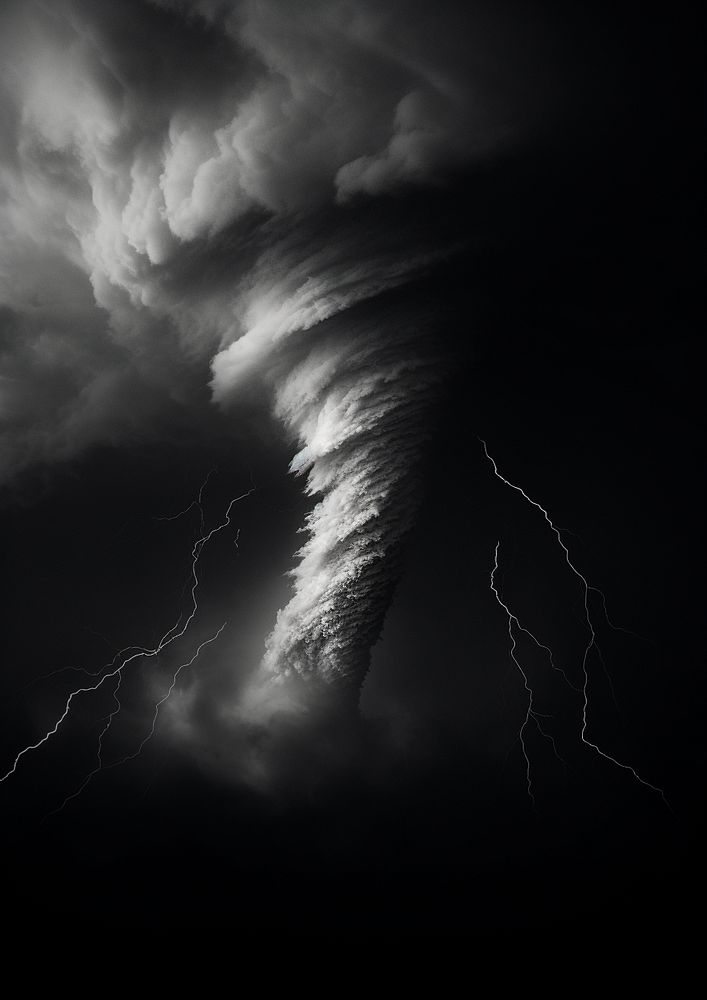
99 635
548 736
103 767
83 670
167 639
99 748
165 697
530 712
541 645
613 625
195 503
521 733
199 504
607 674
592 633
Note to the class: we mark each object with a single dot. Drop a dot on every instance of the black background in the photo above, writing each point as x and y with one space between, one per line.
574 318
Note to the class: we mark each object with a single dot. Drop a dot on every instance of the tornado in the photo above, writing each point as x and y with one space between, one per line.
202 202
352 377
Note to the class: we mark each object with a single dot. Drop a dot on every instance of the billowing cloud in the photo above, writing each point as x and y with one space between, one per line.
189 183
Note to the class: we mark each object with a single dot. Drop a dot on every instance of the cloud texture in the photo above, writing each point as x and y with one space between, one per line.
352 375
189 184
136 136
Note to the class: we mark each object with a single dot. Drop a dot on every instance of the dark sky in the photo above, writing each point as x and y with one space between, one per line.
572 315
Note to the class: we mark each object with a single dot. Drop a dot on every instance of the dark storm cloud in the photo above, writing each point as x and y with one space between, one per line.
83 360
134 131
185 183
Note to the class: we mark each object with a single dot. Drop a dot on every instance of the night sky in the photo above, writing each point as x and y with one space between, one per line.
562 288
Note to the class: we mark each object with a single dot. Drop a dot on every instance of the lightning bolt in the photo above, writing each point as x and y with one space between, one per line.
591 643
100 765
165 697
175 632
530 712
198 503
83 670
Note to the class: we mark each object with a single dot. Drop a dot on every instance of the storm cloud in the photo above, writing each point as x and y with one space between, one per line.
188 200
